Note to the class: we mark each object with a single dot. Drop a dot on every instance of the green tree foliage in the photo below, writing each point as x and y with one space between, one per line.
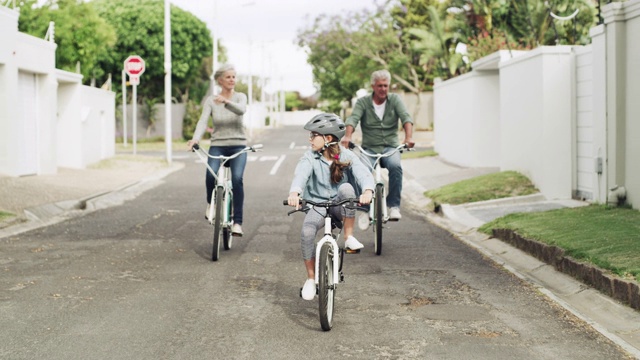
344 51
80 33
528 22
437 43
292 101
335 71
418 40
140 31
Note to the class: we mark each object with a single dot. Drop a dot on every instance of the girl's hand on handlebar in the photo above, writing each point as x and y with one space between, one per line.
365 197
294 200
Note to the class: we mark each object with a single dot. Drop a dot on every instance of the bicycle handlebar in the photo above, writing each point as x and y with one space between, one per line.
327 204
400 148
253 148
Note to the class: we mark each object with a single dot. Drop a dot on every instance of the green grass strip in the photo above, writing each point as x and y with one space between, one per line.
418 154
603 236
6 215
486 187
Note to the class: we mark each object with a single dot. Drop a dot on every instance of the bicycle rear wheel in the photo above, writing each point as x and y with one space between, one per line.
217 223
378 215
326 287
227 239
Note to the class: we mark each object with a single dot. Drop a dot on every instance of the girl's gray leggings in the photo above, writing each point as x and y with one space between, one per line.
314 220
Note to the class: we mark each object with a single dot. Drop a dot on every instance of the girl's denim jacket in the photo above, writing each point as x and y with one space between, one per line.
312 178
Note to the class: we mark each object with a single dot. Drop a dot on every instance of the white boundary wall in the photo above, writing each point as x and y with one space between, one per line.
536 112
562 110
74 124
467 127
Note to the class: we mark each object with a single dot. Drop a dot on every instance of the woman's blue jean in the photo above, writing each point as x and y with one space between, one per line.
236 166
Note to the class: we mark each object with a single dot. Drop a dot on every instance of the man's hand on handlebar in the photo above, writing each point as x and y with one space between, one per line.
410 143
345 141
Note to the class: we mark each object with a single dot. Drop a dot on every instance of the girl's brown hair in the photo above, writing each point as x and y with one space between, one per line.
337 167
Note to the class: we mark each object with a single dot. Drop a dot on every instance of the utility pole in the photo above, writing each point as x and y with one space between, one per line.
167 79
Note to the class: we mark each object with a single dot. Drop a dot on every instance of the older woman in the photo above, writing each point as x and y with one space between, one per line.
226 110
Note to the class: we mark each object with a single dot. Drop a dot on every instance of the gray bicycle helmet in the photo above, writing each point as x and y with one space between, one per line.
327 124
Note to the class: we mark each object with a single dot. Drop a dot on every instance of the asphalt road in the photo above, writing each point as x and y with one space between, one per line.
136 282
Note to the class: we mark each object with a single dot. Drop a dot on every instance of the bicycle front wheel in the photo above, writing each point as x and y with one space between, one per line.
378 215
326 286
217 223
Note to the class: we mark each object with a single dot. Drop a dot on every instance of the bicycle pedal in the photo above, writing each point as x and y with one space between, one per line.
349 251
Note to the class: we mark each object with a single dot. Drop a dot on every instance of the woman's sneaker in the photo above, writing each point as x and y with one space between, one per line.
236 230
353 244
308 291
210 213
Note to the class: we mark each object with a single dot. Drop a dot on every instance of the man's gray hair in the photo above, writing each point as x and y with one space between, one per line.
222 69
380 75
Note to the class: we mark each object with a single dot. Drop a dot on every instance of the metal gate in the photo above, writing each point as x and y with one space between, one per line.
585 156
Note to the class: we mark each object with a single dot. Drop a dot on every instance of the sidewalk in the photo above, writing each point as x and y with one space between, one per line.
47 199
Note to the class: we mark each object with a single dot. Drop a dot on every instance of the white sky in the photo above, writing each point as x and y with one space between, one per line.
260 34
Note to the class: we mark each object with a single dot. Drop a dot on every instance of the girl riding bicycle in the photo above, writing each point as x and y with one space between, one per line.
327 172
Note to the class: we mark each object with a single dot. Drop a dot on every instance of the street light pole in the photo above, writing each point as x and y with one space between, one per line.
214 61
167 79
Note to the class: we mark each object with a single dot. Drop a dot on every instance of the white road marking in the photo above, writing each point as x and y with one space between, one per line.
269 158
275 167
294 146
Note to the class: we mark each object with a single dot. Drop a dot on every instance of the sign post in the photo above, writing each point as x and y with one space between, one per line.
124 108
134 67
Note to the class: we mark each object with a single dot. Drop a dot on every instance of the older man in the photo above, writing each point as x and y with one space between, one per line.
379 114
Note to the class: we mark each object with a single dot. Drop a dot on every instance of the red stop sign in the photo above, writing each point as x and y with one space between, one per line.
134 66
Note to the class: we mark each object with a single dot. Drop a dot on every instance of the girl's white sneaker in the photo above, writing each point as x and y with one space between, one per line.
353 244
308 291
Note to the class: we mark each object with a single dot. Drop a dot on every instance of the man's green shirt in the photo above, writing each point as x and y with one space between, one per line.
376 133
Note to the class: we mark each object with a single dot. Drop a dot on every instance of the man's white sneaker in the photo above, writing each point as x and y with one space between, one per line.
353 244
363 221
394 214
308 291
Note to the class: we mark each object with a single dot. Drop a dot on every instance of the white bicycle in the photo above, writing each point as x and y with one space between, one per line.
378 215
222 218
329 257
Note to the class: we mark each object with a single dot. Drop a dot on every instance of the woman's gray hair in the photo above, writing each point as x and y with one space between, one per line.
380 75
223 69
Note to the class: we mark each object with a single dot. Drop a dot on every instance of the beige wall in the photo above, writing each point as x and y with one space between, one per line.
422 111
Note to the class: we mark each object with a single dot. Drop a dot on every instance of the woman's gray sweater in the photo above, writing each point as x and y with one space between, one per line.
228 125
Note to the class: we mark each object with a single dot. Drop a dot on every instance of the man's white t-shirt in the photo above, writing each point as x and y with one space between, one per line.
379 109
